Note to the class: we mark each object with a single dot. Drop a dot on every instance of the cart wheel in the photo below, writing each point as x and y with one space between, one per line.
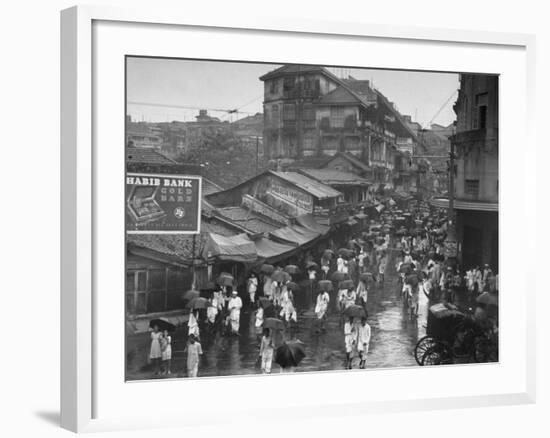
439 354
421 347
485 351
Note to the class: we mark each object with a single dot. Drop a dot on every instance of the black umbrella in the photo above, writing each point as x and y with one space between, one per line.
292 269
346 284
311 265
190 294
339 276
267 269
328 253
325 285
274 323
294 287
198 303
280 276
162 324
225 279
405 268
265 302
355 311
290 354
366 277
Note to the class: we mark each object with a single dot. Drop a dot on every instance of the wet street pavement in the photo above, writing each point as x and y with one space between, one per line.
394 336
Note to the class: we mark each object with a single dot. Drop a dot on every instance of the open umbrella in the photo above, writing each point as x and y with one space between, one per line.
405 268
311 265
292 269
345 252
328 253
346 284
267 269
210 287
265 302
190 294
412 280
198 303
280 276
225 279
339 276
355 311
162 324
294 287
366 277
274 323
325 285
290 354
488 298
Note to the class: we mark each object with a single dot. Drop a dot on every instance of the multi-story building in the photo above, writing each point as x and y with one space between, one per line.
308 111
476 170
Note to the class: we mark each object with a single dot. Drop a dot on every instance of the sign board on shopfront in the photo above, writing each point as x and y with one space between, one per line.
163 204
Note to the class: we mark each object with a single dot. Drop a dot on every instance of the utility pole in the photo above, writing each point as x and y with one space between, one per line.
450 240
257 153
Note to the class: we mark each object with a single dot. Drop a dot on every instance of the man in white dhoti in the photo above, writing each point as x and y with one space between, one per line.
252 287
194 351
363 341
321 307
266 352
193 324
234 306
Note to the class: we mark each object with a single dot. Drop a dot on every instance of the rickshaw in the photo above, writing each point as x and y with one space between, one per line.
452 335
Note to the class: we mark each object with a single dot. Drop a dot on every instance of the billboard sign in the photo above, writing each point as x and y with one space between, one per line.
163 204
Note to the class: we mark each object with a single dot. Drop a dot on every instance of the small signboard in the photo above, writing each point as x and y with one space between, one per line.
163 204
450 249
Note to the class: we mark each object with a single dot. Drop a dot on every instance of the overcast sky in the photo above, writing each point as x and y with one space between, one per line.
218 86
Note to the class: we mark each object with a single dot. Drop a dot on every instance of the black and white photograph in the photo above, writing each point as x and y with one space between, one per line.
289 218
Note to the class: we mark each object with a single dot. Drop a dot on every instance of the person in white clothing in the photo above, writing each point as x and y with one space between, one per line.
340 262
321 307
193 324
266 351
234 306
252 287
363 341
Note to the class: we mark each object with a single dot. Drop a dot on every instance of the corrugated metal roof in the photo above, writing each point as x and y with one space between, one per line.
311 186
147 156
335 177
248 219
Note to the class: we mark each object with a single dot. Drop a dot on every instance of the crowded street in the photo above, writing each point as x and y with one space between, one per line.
391 296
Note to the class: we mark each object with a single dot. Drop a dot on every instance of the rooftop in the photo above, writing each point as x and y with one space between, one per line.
248 219
146 156
311 186
334 177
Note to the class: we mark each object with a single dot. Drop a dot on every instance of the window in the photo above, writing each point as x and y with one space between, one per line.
482 101
273 86
275 115
289 111
471 187
136 292
288 84
337 117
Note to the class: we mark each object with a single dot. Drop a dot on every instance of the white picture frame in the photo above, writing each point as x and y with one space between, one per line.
81 360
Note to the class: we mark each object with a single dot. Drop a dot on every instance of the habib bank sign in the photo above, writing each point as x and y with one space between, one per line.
163 204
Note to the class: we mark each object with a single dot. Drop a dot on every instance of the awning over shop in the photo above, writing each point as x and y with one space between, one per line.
237 248
361 216
295 234
309 222
465 205
271 251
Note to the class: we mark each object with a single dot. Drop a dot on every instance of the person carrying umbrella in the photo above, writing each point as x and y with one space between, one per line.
194 351
234 306
193 323
288 312
266 351
321 307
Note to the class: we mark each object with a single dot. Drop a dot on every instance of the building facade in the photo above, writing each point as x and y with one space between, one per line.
476 170
310 112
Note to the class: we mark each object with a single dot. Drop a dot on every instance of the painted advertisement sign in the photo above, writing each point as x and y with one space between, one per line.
163 204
